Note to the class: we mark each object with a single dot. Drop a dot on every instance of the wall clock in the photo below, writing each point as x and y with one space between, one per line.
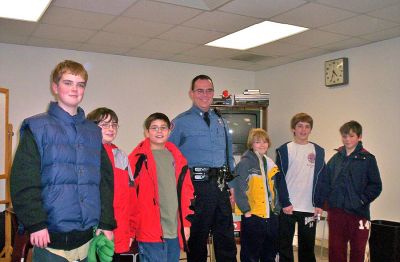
337 72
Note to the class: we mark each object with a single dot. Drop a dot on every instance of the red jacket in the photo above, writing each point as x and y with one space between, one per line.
124 197
147 217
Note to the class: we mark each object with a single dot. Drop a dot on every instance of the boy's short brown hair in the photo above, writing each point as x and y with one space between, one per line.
156 116
257 133
301 117
68 66
101 114
351 126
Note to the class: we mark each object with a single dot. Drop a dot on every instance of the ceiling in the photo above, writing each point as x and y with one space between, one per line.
176 30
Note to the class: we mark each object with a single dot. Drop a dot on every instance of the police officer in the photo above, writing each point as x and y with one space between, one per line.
201 134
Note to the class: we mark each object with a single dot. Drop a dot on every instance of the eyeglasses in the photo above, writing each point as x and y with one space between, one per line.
159 128
204 91
112 125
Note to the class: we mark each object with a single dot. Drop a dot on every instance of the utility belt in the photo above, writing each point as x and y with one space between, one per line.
206 173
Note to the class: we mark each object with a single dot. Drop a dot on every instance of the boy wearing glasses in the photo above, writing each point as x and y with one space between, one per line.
164 192
107 120
61 178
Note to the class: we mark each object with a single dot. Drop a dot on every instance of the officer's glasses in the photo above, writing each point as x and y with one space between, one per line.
158 128
110 125
208 91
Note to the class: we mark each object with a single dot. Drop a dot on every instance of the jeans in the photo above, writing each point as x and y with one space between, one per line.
167 251
259 239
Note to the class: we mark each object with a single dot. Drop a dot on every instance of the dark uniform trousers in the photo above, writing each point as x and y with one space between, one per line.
213 212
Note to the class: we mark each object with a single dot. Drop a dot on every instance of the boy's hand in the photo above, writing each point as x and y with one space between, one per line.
40 238
109 234
288 210
187 232
247 214
318 212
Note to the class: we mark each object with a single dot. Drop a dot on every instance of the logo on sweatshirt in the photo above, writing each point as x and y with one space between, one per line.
311 158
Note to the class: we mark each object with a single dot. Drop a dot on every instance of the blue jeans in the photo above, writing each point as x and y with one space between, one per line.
167 251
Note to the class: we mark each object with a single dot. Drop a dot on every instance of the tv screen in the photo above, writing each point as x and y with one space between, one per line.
240 123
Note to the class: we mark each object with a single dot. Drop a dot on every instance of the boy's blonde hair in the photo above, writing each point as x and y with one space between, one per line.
68 66
257 133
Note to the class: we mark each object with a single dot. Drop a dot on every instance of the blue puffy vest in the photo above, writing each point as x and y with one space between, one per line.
70 150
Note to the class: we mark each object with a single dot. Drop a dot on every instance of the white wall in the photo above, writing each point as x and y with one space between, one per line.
133 87
371 97
136 87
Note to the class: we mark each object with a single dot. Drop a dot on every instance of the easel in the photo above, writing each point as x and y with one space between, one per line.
5 144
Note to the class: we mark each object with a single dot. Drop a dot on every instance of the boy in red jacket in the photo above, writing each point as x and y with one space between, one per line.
164 192
107 120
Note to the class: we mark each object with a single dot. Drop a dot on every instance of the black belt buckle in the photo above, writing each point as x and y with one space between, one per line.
200 174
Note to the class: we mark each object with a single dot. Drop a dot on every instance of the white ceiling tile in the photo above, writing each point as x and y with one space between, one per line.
277 48
16 27
358 6
312 15
165 46
230 64
62 33
260 8
75 18
114 7
125 25
345 44
310 53
207 5
190 35
106 49
149 54
160 12
383 34
190 59
221 22
359 25
118 40
277 61
34 41
314 38
211 52
389 13
13 39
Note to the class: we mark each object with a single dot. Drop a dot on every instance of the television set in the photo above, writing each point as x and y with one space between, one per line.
240 122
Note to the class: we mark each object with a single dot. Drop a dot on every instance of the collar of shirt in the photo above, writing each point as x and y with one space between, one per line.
198 111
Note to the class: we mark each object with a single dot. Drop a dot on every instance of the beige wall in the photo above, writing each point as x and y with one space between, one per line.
133 87
136 87
371 97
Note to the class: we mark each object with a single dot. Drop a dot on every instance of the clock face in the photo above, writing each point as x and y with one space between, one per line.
336 72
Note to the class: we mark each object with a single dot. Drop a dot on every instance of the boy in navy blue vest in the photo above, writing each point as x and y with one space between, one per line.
61 178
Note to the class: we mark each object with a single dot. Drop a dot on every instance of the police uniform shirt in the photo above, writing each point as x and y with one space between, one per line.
202 145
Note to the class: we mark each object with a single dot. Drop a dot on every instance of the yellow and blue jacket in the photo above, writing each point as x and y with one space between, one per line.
257 185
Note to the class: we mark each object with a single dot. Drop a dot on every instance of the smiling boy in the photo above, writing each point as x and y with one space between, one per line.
164 193
352 183
303 165
61 178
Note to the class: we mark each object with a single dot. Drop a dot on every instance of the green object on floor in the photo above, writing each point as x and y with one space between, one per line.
103 247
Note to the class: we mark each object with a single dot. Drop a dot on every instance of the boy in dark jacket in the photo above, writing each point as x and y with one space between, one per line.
61 178
351 184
